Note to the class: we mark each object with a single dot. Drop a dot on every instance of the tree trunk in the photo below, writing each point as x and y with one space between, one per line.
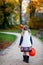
5 22
20 12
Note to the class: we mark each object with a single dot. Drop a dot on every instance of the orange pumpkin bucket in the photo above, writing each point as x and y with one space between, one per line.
33 52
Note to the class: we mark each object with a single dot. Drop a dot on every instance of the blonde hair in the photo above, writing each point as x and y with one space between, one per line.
26 27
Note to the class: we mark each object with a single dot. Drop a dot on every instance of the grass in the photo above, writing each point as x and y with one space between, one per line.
35 32
41 39
17 31
7 38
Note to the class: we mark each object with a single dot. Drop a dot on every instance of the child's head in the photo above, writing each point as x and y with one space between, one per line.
27 28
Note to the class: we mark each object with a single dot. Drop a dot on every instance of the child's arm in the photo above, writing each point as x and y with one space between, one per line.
21 39
31 40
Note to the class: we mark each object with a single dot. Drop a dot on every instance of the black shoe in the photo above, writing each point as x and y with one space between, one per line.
27 59
23 57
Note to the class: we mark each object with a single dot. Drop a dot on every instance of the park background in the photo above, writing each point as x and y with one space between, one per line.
14 13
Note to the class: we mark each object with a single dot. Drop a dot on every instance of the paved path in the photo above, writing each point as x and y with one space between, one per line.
13 56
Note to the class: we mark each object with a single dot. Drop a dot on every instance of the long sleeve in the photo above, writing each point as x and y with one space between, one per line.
31 40
21 39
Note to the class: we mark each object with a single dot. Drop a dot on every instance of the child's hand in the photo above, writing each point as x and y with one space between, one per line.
19 46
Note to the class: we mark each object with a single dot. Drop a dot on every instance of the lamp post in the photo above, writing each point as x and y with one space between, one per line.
20 1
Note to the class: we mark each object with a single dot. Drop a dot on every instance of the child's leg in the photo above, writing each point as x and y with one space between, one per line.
24 54
26 57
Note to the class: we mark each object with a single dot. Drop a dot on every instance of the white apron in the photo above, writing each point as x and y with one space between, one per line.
26 40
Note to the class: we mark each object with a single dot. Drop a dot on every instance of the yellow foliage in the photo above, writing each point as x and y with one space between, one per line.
1 2
13 1
41 1
10 0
